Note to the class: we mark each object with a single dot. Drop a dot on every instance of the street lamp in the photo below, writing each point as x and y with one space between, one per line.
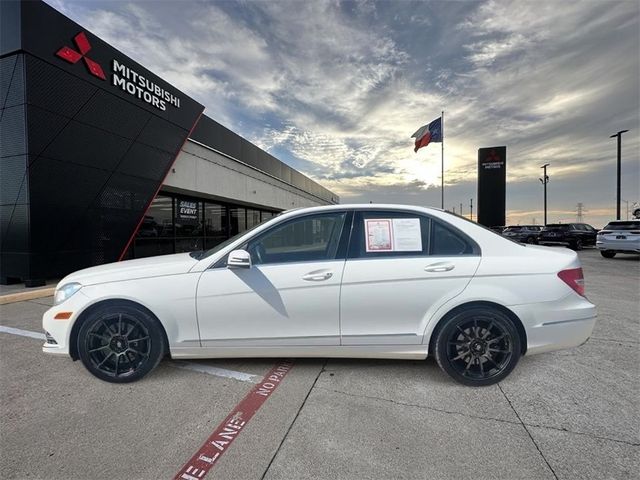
619 136
544 180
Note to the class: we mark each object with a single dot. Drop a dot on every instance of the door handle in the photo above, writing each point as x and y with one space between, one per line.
439 267
317 276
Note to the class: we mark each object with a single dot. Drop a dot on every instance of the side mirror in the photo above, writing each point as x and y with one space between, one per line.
239 259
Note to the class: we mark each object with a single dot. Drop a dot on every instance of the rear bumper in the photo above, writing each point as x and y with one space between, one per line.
550 326
621 246
564 243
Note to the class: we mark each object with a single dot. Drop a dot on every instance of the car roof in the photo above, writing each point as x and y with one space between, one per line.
364 206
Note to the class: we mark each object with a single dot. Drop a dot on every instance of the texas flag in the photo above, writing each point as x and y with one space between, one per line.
428 133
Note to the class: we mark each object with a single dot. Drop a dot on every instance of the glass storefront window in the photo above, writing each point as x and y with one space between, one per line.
188 218
237 220
158 222
185 224
267 215
253 218
215 224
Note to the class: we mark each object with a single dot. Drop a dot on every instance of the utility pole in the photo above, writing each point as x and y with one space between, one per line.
461 210
544 180
471 208
454 210
619 167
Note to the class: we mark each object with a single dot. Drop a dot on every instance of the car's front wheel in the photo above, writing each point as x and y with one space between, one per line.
607 253
577 245
120 342
478 346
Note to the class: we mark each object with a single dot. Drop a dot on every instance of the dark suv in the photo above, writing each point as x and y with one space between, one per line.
523 233
572 235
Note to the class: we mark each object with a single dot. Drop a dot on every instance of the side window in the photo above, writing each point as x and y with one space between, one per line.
310 238
386 233
445 241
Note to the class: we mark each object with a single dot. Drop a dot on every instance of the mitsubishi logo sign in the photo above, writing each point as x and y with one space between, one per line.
123 77
72 56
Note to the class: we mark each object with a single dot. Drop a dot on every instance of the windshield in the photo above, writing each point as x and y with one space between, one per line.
630 225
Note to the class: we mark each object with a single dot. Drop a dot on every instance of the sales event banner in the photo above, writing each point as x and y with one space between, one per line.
187 212
492 179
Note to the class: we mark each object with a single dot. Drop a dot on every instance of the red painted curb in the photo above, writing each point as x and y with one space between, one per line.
225 433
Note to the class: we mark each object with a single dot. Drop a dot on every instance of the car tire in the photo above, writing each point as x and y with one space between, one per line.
576 245
120 342
531 240
477 346
607 253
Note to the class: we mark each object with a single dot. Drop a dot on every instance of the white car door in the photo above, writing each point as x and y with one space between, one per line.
290 294
401 267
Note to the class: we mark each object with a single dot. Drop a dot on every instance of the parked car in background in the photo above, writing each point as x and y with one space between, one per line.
619 236
523 233
572 235
498 229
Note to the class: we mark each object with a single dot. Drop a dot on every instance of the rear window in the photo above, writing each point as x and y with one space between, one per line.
630 225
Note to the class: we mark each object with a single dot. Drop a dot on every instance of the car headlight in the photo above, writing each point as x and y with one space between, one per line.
65 292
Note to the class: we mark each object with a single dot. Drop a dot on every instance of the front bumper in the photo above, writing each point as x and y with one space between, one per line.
60 330
565 323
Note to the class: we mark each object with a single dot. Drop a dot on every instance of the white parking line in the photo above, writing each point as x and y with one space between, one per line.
194 367
215 371
22 333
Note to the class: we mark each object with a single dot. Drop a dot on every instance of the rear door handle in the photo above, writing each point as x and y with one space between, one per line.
439 267
317 276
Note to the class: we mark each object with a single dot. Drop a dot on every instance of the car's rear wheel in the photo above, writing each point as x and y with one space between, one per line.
607 253
576 244
477 347
531 240
120 342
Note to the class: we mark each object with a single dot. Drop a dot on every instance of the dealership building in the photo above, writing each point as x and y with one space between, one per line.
101 160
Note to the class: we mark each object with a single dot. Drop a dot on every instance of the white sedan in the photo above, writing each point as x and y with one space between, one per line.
365 281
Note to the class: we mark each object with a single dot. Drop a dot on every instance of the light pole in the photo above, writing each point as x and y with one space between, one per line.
471 208
544 180
619 135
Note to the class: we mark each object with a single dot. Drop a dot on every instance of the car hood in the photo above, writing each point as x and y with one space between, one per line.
133 269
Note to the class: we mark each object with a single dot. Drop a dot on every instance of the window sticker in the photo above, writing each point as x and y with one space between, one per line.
407 236
378 234
393 235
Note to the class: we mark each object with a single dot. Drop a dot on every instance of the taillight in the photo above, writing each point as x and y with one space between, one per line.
574 278
604 232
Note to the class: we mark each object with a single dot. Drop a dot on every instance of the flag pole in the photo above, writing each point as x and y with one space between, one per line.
442 165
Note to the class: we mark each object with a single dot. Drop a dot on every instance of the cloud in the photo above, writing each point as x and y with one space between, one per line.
336 88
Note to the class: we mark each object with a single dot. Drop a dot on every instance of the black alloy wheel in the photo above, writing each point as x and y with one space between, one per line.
120 343
607 253
577 244
478 347
531 240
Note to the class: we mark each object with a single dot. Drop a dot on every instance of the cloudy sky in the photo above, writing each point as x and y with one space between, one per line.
335 89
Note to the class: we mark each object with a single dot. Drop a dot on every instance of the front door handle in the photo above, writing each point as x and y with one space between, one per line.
439 267
318 276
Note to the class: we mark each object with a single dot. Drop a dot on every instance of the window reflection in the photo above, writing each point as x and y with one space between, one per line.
176 224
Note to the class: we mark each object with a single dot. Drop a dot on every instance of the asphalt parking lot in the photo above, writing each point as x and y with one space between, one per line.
570 414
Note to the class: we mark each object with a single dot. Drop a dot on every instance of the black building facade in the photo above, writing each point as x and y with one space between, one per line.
87 137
